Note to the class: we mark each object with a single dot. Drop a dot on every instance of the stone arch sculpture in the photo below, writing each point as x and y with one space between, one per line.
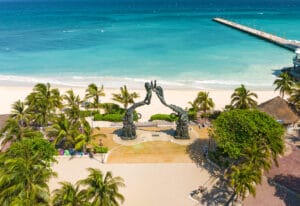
129 129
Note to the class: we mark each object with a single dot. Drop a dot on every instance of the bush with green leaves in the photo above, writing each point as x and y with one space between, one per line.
88 113
252 140
25 170
32 146
165 117
113 117
100 149
108 117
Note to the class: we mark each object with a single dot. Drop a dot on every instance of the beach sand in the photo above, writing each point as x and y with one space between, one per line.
179 97
146 184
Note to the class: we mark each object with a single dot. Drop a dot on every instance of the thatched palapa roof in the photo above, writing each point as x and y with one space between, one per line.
279 109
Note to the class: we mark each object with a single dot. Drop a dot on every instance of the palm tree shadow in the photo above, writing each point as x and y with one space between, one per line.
219 195
287 188
198 153
220 192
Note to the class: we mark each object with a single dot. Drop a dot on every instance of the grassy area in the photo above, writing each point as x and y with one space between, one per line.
149 152
108 140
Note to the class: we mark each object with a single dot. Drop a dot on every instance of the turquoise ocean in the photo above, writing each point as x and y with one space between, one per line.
116 42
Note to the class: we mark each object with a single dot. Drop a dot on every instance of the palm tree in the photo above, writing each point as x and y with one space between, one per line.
73 106
295 95
14 131
43 102
243 180
86 135
63 132
284 84
19 113
69 195
205 103
24 180
125 97
102 190
242 98
95 92
257 156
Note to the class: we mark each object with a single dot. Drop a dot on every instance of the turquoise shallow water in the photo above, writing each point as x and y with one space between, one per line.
75 43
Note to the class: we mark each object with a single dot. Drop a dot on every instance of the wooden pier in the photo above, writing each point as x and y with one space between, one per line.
288 44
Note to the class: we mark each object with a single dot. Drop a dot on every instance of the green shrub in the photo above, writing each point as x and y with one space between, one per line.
113 117
88 113
99 149
112 108
109 117
219 158
192 115
165 117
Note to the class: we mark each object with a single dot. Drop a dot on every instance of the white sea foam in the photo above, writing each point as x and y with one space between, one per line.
69 31
116 82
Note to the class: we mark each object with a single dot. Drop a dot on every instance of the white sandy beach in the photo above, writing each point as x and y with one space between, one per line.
179 97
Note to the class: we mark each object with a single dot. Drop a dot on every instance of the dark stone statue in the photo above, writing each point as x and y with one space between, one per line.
129 129
182 129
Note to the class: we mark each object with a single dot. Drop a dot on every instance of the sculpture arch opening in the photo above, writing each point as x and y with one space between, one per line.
129 128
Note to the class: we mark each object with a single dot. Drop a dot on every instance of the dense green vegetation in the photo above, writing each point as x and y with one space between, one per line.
100 149
88 113
25 171
35 127
251 140
165 117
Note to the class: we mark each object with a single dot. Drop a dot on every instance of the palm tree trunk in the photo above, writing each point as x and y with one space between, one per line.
231 199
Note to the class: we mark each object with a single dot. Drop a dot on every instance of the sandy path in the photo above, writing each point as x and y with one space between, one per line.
146 184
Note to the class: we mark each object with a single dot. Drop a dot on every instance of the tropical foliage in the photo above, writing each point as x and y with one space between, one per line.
284 83
72 106
165 117
252 140
25 168
42 104
102 190
201 103
125 97
13 130
69 195
95 92
243 98
24 173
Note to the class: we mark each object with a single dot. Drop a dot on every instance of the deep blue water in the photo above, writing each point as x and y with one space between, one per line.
128 41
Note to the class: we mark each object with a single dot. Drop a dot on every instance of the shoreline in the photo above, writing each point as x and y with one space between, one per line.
179 97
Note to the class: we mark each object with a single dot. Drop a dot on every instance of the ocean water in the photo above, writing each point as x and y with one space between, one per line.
116 42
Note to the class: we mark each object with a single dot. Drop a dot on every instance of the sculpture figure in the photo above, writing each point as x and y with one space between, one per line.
129 129
182 131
